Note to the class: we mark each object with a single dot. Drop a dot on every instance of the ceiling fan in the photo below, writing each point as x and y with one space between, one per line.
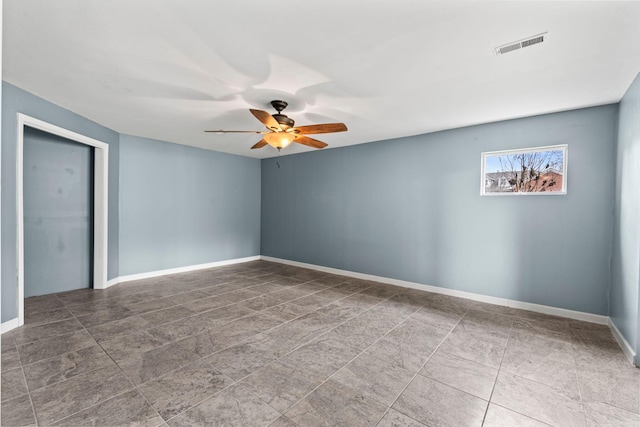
282 132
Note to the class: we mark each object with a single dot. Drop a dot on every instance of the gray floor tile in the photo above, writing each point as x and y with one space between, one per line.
493 325
444 317
283 421
474 346
151 305
394 418
10 358
362 331
55 346
145 366
334 404
118 327
619 391
127 409
543 360
325 355
240 360
185 327
409 345
537 401
433 403
60 400
179 390
281 385
547 328
282 331
34 333
13 384
189 296
65 366
18 412
497 416
379 379
262 302
138 341
228 314
93 306
47 316
600 415
235 406
167 315
209 341
81 296
40 304
466 375
103 316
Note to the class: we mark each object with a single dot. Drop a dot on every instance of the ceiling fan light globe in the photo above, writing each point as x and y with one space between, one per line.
279 139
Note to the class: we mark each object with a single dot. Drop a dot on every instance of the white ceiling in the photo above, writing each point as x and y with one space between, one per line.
169 69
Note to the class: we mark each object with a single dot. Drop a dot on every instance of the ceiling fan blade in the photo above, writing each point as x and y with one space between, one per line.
300 139
266 119
260 144
236 131
324 128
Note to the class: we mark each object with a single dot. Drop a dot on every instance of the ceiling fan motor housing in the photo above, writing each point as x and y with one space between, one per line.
284 120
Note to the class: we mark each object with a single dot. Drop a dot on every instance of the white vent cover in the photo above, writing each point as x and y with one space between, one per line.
506 48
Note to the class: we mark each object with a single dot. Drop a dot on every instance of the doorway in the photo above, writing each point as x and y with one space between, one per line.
97 239
58 214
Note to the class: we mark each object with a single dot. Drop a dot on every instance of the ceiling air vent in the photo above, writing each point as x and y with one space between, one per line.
539 38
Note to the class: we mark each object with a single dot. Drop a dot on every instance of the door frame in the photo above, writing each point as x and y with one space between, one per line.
100 201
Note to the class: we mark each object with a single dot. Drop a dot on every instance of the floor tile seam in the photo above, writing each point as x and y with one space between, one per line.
518 412
612 406
354 358
331 329
493 388
44 311
51 336
160 309
578 382
74 316
214 395
422 367
276 326
301 345
454 387
24 377
91 406
133 384
65 379
487 336
471 360
233 382
62 354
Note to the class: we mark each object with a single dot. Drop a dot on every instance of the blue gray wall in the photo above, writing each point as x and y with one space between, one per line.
410 209
15 100
625 268
182 206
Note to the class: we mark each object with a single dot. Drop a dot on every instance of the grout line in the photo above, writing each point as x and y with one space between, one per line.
357 355
504 352
420 368
24 377
575 366
291 351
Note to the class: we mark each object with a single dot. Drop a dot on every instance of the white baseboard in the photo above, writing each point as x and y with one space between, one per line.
185 269
555 311
623 343
9 325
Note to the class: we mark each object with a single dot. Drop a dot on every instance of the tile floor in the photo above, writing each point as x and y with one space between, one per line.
263 344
